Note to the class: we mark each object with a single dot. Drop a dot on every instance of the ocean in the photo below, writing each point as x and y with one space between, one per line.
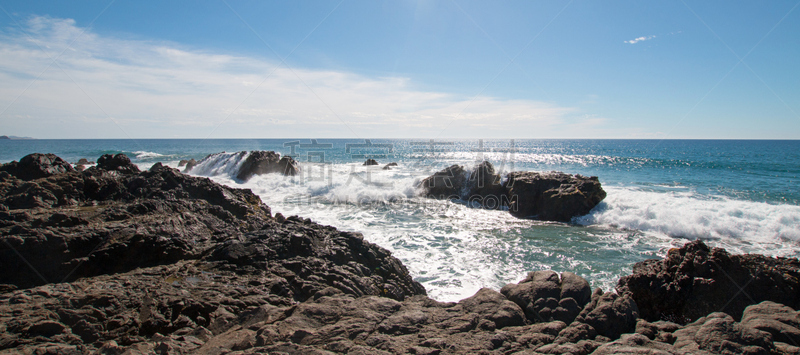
741 195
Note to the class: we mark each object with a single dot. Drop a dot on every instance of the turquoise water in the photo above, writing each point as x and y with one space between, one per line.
741 195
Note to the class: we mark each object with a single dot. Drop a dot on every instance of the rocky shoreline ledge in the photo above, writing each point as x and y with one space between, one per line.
113 260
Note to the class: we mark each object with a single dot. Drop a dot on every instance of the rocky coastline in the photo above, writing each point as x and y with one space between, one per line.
113 260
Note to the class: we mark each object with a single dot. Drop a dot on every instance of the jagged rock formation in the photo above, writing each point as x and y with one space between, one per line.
191 163
695 280
119 162
37 165
445 184
550 196
265 162
546 297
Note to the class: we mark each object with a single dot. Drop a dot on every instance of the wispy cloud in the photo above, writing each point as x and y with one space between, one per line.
640 39
158 89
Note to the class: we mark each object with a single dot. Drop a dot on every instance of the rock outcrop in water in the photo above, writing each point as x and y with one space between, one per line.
264 162
247 164
106 262
550 196
191 163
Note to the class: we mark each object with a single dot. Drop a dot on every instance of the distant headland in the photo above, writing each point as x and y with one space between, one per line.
14 138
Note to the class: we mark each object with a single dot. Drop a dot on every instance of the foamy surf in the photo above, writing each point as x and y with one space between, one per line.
741 226
454 250
142 155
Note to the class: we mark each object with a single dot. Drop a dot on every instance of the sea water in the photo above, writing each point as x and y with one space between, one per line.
738 194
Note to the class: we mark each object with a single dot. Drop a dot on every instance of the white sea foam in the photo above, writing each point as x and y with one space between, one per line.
744 226
147 155
220 164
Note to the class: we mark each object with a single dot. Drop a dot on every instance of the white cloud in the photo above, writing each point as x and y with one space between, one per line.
111 87
640 39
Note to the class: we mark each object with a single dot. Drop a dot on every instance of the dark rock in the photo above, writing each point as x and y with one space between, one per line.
545 297
370 162
696 280
637 344
289 166
183 217
84 161
264 162
492 306
182 163
119 162
718 333
782 322
610 314
646 328
189 165
389 166
552 196
157 167
546 196
445 184
322 258
485 186
576 332
481 185
36 166
46 328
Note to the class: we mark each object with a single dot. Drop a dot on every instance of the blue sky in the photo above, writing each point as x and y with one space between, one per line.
400 69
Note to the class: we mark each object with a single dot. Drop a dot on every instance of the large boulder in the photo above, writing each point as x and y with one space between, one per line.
315 257
610 314
782 322
445 184
695 280
719 333
264 162
492 306
191 163
545 297
552 196
370 162
36 166
288 166
119 162
485 186
480 185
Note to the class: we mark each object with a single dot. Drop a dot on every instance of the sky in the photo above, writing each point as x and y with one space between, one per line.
400 69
